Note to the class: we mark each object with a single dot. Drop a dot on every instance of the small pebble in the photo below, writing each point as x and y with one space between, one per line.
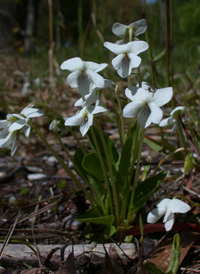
36 176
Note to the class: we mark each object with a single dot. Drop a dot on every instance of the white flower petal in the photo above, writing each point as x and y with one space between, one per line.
131 109
72 64
142 95
163 202
156 113
84 84
116 62
117 49
119 29
4 123
75 120
168 215
86 124
72 78
26 130
4 132
178 206
79 102
137 47
96 109
17 125
14 145
177 111
167 121
18 116
32 112
125 67
139 26
144 117
96 78
130 92
91 98
148 87
163 96
95 67
108 83
170 222
7 140
135 60
155 215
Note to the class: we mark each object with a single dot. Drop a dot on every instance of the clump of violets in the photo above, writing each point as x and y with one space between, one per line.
17 124
112 175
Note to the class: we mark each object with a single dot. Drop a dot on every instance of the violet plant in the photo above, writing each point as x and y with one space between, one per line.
109 176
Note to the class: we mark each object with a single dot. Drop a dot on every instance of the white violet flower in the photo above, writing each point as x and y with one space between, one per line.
120 30
93 96
16 124
146 104
167 207
173 115
126 58
84 118
83 74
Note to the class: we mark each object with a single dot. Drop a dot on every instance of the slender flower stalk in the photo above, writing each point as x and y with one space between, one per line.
136 176
103 169
167 42
110 168
120 115
62 163
118 119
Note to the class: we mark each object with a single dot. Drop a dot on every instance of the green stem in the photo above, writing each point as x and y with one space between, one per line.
167 42
117 117
137 172
171 42
139 77
130 178
100 203
149 49
77 139
120 116
150 60
103 169
110 168
57 115
80 28
181 134
63 165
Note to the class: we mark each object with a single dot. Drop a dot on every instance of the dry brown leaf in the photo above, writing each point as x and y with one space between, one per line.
162 256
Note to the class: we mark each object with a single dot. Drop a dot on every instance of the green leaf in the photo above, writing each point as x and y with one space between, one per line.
146 172
174 263
153 269
127 157
189 162
159 56
124 161
94 184
175 258
92 165
90 216
112 151
110 230
145 189
78 158
155 145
